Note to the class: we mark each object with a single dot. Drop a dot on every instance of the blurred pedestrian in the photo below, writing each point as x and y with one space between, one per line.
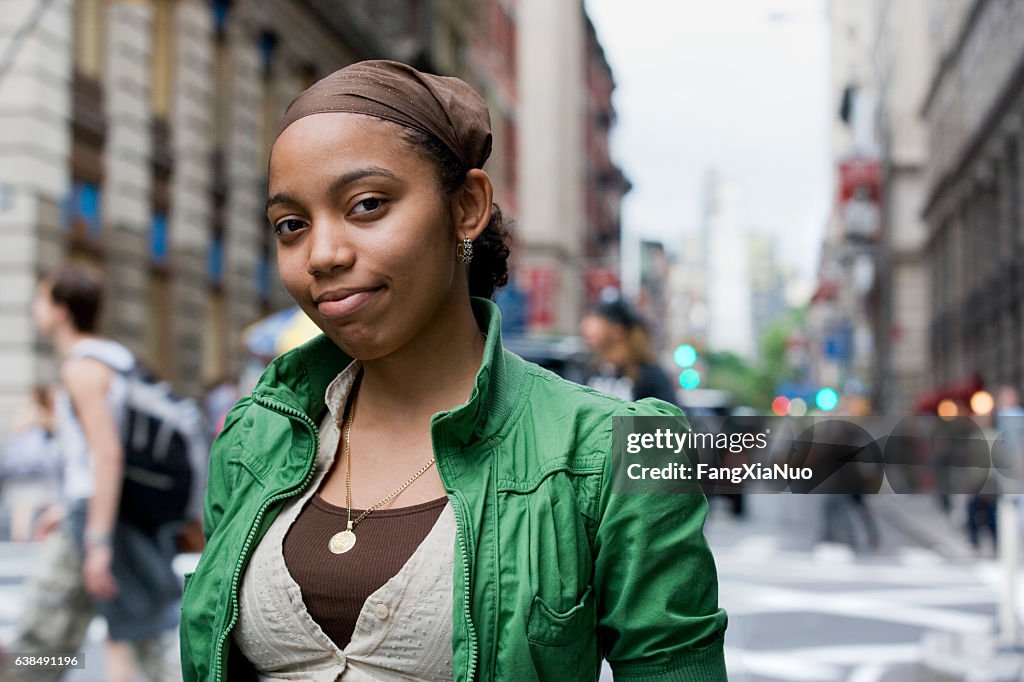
1009 421
28 464
625 364
981 505
1008 402
218 398
510 558
92 562
950 450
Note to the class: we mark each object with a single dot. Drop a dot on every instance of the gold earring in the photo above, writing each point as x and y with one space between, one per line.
464 251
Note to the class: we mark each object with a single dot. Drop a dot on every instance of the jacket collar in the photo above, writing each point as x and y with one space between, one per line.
299 380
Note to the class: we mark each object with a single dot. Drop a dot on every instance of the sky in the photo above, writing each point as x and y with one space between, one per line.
740 86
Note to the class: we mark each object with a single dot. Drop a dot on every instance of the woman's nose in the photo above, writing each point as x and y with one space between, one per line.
329 248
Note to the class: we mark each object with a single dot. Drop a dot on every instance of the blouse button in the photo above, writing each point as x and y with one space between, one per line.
380 609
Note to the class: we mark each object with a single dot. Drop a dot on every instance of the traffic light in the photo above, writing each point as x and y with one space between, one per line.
689 378
780 406
826 399
685 355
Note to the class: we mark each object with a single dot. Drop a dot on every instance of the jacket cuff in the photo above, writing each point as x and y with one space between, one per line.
704 665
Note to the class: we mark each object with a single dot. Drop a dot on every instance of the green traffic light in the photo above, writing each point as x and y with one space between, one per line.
826 399
689 378
685 355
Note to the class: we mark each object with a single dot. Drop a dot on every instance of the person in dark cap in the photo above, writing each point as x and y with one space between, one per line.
625 365
401 498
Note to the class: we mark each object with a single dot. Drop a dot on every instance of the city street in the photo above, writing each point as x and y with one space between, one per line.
798 610
801 610
17 561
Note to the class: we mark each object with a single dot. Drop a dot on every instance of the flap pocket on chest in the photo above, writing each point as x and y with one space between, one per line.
553 628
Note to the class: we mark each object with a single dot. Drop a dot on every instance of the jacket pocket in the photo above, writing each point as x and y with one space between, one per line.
563 645
188 579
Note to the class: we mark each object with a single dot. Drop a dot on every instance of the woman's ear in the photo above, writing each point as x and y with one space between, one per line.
471 208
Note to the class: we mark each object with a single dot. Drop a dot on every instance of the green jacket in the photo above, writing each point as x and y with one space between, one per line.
552 569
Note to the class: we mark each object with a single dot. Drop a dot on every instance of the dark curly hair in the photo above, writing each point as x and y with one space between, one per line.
488 271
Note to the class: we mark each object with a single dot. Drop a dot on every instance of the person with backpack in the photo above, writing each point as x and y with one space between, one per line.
95 561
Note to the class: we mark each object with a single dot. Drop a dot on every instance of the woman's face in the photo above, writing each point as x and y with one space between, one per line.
45 312
600 334
365 240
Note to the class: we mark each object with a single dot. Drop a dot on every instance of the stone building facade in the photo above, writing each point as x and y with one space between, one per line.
975 110
902 68
135 136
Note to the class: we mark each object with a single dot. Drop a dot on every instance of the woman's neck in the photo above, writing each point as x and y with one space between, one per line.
65 338
434 373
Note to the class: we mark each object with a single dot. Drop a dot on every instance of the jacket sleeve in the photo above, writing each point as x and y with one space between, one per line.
218 482
656 583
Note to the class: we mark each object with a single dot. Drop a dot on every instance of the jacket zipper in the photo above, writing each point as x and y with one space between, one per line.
296 414
460 523
460 535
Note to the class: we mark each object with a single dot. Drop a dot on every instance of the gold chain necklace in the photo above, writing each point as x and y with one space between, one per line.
345 540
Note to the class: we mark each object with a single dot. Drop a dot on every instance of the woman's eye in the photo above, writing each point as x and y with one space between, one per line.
368 205
288 226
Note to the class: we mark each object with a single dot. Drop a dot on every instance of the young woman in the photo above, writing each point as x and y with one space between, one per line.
400 498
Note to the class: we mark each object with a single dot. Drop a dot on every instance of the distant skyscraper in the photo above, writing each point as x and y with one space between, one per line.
767 284
731 322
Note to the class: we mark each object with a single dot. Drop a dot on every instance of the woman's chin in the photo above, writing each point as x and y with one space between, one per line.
365 348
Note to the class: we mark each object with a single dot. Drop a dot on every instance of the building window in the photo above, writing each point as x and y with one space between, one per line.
220 9
268 46
82 217
263 279
158 247
269 114
215 258
264 267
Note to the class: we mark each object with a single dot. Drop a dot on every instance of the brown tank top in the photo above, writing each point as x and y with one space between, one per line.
335 586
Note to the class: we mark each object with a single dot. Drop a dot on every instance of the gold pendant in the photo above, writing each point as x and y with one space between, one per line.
342 542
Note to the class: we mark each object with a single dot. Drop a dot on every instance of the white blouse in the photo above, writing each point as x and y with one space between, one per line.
404 630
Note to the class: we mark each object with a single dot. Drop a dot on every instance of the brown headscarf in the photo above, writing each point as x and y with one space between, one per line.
442 106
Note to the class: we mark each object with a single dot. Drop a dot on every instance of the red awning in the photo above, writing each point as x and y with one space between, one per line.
826 291
962 391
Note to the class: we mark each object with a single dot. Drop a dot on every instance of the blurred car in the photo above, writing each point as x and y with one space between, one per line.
709 410
704 402
566 356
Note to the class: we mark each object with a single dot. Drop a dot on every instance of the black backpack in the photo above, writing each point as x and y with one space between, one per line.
165 453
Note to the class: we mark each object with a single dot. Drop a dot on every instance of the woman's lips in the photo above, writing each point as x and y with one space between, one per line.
346 306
